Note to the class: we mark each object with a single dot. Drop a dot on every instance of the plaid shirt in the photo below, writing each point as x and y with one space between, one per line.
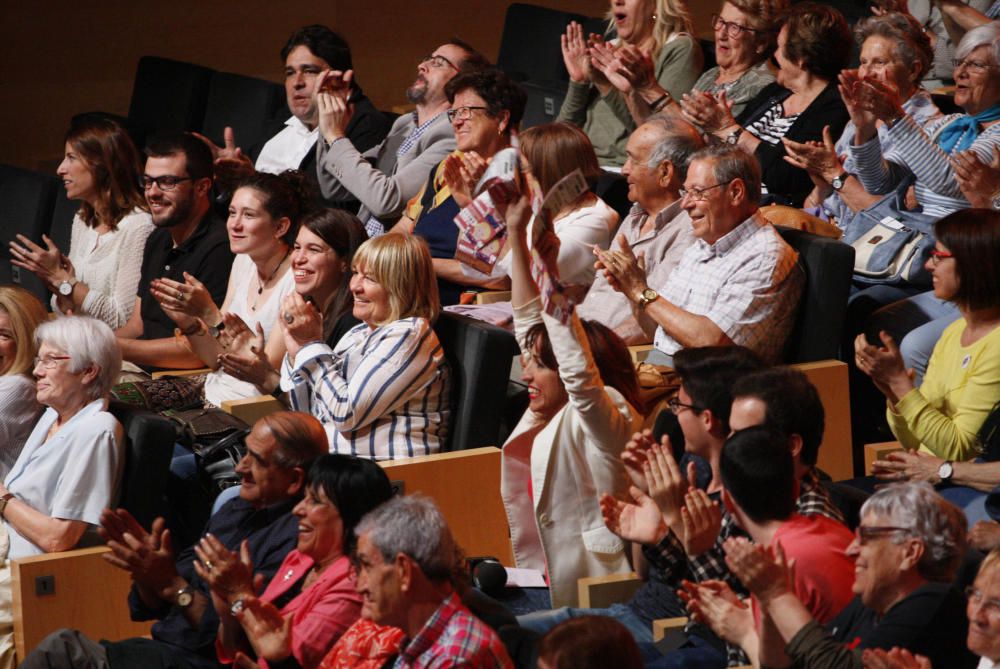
454 637
669 557
748 283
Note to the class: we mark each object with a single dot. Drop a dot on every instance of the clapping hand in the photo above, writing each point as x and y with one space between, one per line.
184 301
576 55
884 365
702 521
246 357
462 173
639 520
667 485
147 556
269 632
908 466
896 658
301 323
333 89
763 570
45 263
713 603
712 113
979 181
624 270
816 158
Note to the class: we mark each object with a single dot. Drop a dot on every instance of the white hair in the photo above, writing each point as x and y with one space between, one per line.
413 525
984 35
87 341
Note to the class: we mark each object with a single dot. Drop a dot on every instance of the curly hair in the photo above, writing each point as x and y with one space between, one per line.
764 17
498 91
912 43
819 37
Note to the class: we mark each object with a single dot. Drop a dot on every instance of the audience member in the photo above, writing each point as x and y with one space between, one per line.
486 109
385 177
383 391
657 228
20 314
188 240
907 549
263 222
581 380
70 467
311 54
166 588
982 612
99 276
738 283
648 32
813 46
407 565
962 385
946 25
588 642
316 589
759 492
322 258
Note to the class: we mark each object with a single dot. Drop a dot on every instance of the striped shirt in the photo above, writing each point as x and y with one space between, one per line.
748 283
918 154
380 394
773 124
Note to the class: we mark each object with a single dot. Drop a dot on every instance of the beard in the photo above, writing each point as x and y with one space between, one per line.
417 92
179 212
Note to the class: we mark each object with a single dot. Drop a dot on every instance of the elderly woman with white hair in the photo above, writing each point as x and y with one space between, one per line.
907 549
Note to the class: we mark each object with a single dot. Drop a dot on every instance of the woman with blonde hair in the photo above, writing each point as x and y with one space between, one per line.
658 30
20 314
382 392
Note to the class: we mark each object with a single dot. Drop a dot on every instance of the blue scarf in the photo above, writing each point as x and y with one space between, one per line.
962 132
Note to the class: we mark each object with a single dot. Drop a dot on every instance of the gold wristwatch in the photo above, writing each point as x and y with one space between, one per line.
648 295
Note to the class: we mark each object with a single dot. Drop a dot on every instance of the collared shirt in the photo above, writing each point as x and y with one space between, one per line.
271 534
453 637
987 663
748 283
287 149
204 254
662 247
380 394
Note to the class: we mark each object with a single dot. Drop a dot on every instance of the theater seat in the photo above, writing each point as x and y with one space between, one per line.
149 446
168 95
243 103
26 202
530 49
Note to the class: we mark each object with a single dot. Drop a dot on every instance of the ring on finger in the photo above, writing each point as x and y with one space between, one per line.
288 318
208 565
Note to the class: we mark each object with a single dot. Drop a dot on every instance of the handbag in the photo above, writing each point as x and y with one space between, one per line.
217 439
891 244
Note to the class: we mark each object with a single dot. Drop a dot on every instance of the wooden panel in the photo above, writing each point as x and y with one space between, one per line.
830 379
878 451
639 352
600 592
466 486
252 409
664 625
491 296
90 595
180 372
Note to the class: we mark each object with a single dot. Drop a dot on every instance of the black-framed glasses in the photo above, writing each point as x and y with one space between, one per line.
437 61
675 406
463 113
866 533
698 194
167 182
732 28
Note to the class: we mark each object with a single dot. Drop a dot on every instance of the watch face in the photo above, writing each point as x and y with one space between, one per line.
649 294
65 288
996 202
184 598
945 470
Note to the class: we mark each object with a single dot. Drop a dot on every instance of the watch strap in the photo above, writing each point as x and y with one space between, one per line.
3 503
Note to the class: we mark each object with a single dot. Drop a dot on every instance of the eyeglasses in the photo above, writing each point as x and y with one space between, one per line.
734 30
698 194
437 62
976 66
167 182
866 533
675 406
50 361
990 607
463 113
938 256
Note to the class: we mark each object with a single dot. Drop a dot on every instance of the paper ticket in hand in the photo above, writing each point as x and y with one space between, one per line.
482 232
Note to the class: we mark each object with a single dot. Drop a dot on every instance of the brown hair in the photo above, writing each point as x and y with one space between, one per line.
973 237
589 642
554 150
818 36
285 195
300 438
402 265
25 313
608 351
108 152
343 233
912 43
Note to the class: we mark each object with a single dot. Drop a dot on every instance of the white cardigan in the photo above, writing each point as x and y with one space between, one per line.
570 461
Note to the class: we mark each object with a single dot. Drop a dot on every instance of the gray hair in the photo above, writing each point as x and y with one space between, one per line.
679 140
731 162
936 522
87 341
984 35
413 525
912 43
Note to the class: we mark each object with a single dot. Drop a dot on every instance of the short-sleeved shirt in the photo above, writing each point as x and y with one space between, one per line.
453 637
205 255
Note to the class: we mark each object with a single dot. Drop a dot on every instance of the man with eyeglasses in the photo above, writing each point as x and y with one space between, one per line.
189 239
739 283
309 54
384 178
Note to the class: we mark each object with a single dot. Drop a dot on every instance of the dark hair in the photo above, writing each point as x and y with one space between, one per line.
590 642
708 374
819 36
197 156
285 195
473 59
498 91
791 405
108 152
973 237
757 472
354 485
343 233
554 150
324 43
912 43
300 438
608 351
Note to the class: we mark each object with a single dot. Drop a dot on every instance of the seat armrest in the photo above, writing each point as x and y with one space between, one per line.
600 592
640 352
664 626
252 409
878 451
491 296
180 372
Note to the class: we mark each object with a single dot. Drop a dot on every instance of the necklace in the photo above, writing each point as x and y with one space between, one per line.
261 284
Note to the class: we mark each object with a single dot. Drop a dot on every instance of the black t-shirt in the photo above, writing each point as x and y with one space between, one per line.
205 255
930 621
